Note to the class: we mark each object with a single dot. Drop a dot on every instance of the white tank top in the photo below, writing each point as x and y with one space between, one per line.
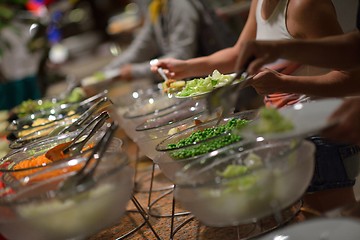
274 28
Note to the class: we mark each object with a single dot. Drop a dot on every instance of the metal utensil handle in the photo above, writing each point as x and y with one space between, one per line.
162 74
86 115
77 146
94 98
99 149
103 145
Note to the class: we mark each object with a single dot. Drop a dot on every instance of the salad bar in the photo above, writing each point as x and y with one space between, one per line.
73 165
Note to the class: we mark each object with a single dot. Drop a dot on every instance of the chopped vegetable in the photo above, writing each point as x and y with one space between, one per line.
172 85
43 161
207 133
271 121
206 147
203 85
197 140
233 171
31 106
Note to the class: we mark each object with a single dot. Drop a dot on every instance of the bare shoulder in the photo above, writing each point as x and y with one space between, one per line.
312 18
304 6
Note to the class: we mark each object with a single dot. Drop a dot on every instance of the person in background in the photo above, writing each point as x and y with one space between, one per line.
280 20
18 66
171 30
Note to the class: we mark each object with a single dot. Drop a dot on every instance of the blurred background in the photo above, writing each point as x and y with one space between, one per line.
69 39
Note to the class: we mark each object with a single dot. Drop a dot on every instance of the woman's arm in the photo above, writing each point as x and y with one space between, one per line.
223 60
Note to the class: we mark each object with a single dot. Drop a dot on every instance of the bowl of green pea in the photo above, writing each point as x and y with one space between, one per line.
190 144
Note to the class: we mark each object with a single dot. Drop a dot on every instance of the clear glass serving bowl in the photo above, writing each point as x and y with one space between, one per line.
259 182
157 129
38 211
172 160
39 135
150 107
21 156
44 120
41 123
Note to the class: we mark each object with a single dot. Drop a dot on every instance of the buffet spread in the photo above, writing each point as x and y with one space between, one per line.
65 174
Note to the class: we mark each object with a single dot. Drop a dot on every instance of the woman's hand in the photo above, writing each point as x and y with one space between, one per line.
262 52
267 82
173 68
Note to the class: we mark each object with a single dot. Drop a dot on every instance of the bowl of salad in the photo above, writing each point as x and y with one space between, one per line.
59 115
240 184
199 87
190 144
32 106
38 211
20 163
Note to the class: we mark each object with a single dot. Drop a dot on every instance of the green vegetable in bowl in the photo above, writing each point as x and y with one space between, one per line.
207 133
31 106
233 171
203 85
76 95
206 147
199 145
271 121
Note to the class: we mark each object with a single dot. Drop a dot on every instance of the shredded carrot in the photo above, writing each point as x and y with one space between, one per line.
40 162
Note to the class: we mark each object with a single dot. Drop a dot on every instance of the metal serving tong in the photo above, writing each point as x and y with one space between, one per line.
96 108
83 179
223 96
75 146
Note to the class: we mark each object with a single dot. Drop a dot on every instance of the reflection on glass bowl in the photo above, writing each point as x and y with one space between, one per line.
170 160
241 184
28 160
38 212
153 106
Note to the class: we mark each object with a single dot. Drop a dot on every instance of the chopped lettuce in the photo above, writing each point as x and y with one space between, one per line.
204 85
271 121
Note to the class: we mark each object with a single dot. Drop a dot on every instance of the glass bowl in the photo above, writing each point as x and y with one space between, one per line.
56 116
43 117
173 118
147 144
157 129
171 160
38 211
241 184
153 106
33 106
38 136
43 126
127 95
28 107
28 160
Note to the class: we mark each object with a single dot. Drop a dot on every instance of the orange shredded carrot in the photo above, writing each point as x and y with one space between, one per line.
40 162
